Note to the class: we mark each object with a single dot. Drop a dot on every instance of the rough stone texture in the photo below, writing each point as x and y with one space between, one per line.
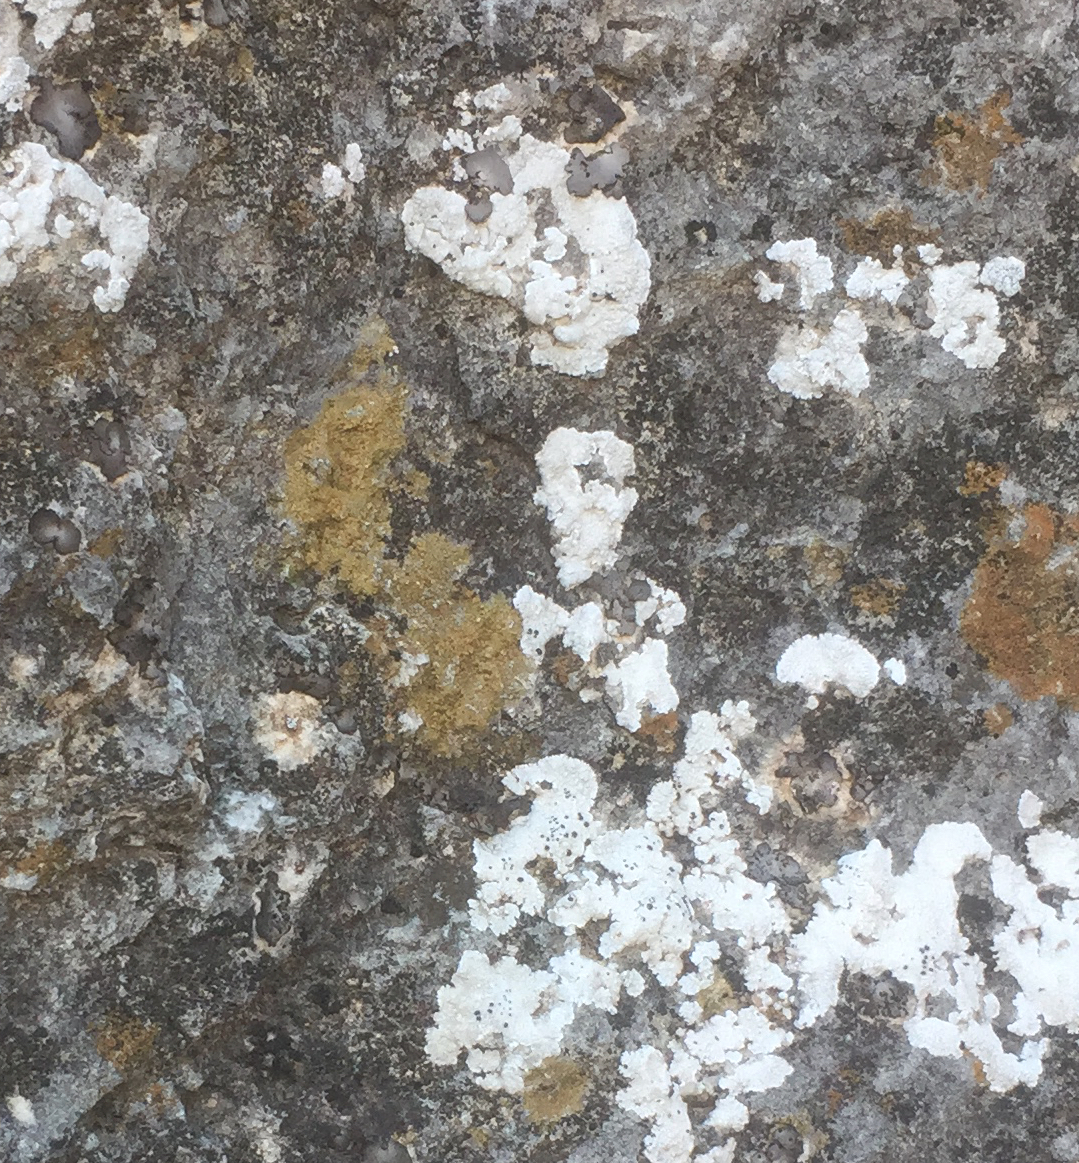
234 872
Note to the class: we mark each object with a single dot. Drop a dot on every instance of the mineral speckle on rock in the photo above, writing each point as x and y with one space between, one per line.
538 582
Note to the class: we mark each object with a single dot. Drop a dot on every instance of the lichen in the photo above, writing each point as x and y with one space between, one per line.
878 236
449 658
338 479
980 477
124 1041
473 667
554 1090
880 596
967 146
1022 612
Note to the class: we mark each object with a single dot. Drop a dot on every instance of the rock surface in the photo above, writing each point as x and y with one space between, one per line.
538 581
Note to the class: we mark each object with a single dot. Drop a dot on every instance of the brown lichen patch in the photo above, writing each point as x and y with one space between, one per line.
1023 612
980 477
123 1041
568 669
880 596
823 563
107 543
878 236
53 349
555 1089
997 719
473 665
717 998
337 481
661 731
44 861
968 145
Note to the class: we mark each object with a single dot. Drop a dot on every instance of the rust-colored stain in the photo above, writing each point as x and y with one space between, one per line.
967 145
878 236
1023 612
879 597
554 1089
450 659
980 477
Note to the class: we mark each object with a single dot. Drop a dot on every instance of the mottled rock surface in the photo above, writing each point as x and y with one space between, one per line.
565 655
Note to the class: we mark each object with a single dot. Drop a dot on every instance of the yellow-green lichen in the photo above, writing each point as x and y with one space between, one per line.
554 1090
450 659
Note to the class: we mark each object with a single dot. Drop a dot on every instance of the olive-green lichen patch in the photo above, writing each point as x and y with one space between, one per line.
473 665
555 1089
1023 612
338 479
450 659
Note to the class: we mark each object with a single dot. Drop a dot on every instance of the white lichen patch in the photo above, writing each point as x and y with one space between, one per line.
587 515
640 682
338 181
877 922
662 899
1030 809
813 271
658 915
51 210
288 728
51 18
817 661
581 299
871 278
14 71
965 316
807 361
767 291
960 300
1004 274
22 1111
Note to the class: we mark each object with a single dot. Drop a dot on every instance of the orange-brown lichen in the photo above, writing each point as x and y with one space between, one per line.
879 597
980 477
967 146
878 236
123 1041
43 861
555 1089
1023 611
662 730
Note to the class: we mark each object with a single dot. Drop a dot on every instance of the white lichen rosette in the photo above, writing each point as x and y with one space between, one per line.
572 265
